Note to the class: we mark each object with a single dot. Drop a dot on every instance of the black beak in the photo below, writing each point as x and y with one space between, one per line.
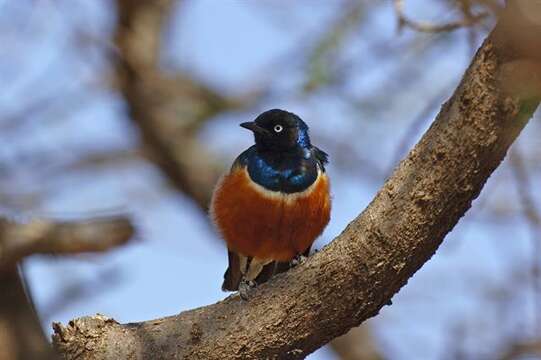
251 125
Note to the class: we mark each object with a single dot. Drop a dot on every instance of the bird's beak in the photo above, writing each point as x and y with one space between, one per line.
251 125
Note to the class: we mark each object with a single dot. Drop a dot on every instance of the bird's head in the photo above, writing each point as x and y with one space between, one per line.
279 130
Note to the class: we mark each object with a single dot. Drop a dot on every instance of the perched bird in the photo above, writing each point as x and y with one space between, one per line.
273 203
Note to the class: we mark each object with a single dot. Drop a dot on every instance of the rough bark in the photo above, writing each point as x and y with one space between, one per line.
351 279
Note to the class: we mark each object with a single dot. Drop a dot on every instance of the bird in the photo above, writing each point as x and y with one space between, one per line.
273 203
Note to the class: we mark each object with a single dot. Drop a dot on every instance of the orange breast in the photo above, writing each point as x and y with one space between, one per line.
265 224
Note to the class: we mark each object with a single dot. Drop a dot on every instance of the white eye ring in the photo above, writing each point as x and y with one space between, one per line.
278 128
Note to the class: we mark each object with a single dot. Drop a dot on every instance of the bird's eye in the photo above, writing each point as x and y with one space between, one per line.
278 128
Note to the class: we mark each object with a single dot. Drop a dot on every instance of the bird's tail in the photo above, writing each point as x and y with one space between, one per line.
232 275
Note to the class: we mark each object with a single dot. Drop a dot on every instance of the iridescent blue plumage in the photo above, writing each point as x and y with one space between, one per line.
292 169
303 139
287 173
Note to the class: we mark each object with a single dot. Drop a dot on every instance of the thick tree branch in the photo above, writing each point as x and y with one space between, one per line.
352 278
67 237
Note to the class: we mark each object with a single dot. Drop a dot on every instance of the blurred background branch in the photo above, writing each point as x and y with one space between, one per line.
468 19
55 238
168 109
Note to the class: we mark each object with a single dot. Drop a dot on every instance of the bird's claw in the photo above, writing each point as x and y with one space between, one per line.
245 288
297 260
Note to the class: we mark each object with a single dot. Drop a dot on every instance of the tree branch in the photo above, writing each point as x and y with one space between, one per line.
358 273
67 237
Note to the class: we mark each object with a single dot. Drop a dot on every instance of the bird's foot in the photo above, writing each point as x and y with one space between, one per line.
246 288
297 260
